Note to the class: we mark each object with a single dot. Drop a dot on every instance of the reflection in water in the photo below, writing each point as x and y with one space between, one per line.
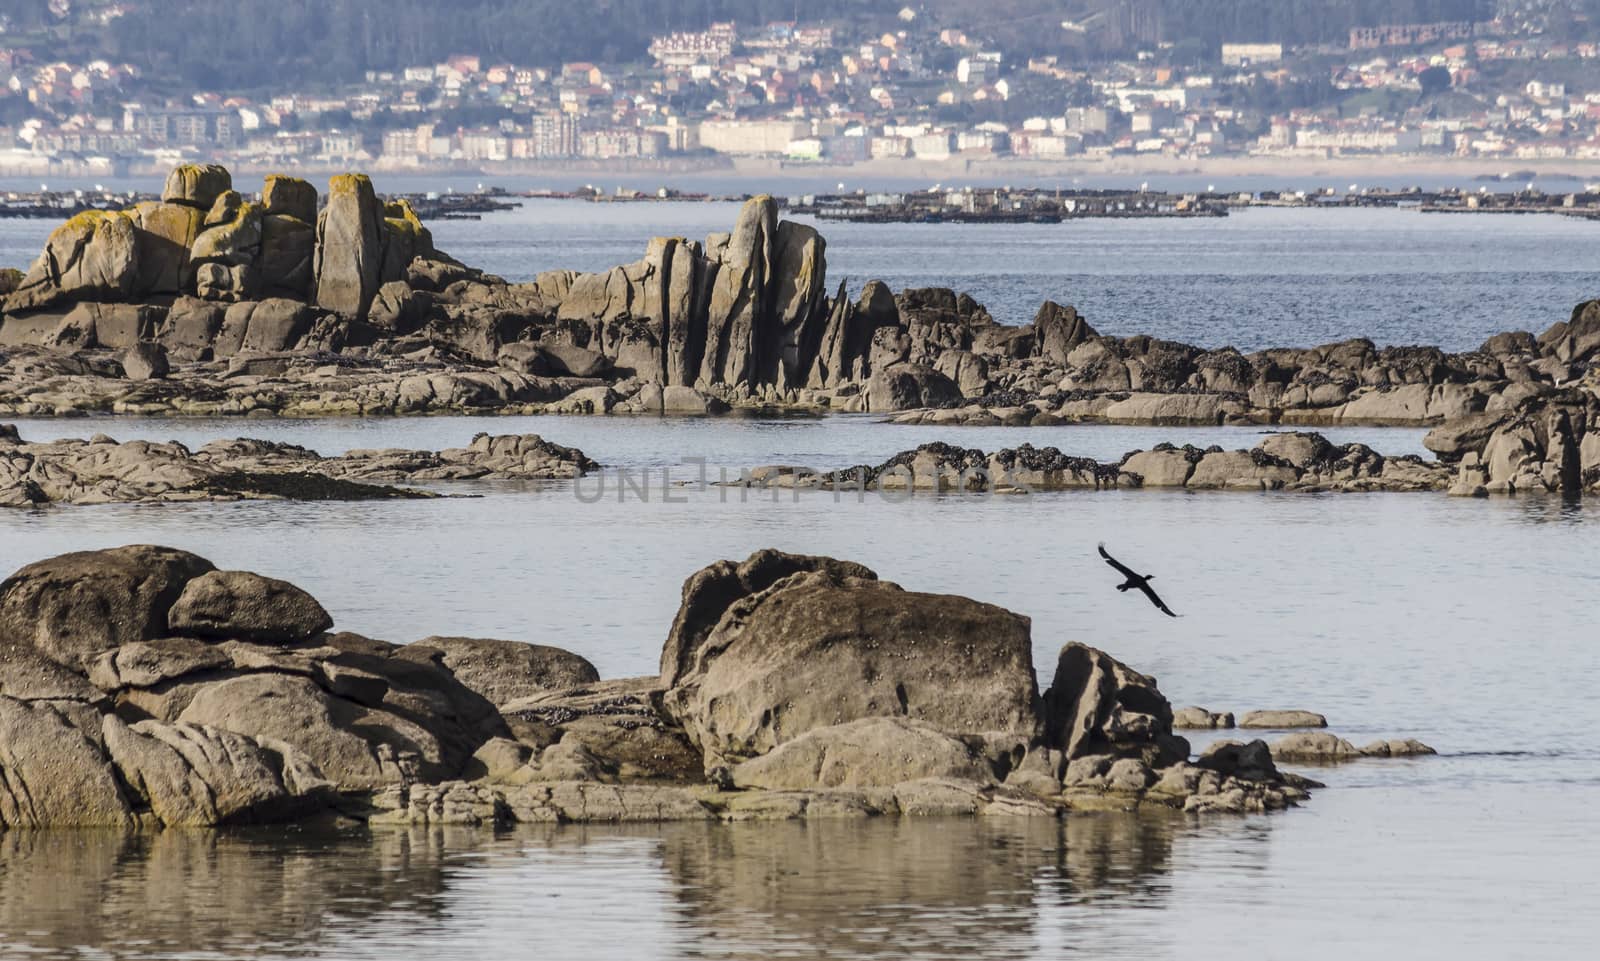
934 888
157 895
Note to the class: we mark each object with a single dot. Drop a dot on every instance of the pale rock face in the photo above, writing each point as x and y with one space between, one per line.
1282 719
1096 705
350 246
248 607
289 197
869 752
1160 468
813 650
196 185
94 256
146 361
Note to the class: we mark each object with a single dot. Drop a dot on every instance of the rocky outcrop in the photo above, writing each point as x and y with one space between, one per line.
101 471
183 695
142 687
1297 461
827 645
350 246
743 319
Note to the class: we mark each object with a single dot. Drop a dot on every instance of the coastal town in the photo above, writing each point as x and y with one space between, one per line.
837 93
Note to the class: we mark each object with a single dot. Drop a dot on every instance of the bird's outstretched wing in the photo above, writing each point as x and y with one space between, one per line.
1155 599
1121 568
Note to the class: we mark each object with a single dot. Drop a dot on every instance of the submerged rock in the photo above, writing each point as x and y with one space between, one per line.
101 470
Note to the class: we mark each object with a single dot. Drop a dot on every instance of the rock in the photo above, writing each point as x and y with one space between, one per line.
868 752
1161 468
821 648
93 256
1577 340
328 731
907 387
52 773
1059 330
505 671
1241 470
1456 438
249 607
191 328
1281 719
404 239
262 326
575 361
1247 761
739 304
190 776
710 592
1406 747
289 197
287 263
1200 719
686 400
1318 746
196 185
1096 705
75 607
163 236
967 370
146 361
350 246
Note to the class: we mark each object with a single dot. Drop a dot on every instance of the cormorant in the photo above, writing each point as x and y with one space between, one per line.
1139 581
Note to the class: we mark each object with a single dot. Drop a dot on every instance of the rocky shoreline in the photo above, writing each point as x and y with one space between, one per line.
100 470
141 688
210 303
1501 457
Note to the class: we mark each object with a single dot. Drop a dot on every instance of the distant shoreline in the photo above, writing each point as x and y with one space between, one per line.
762 174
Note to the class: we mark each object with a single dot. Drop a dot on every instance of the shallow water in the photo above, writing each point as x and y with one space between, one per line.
1464 623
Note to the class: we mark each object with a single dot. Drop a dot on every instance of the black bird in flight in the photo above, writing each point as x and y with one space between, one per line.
1140 581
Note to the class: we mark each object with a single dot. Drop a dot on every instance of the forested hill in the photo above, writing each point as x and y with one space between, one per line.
250 44
241 44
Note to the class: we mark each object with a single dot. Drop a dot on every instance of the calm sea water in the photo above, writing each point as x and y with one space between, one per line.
1464 623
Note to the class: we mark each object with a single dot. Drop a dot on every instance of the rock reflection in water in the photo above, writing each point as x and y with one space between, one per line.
924 888
197 892
927 888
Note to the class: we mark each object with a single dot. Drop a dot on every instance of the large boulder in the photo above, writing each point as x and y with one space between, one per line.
909 387
739 304
350 246
93 256
1059 330
288 256
505 671
1096 705
249 607
165 233
227 253
286 196
798 295
75 607
710 591
263 326
404 240
822 647
196 185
